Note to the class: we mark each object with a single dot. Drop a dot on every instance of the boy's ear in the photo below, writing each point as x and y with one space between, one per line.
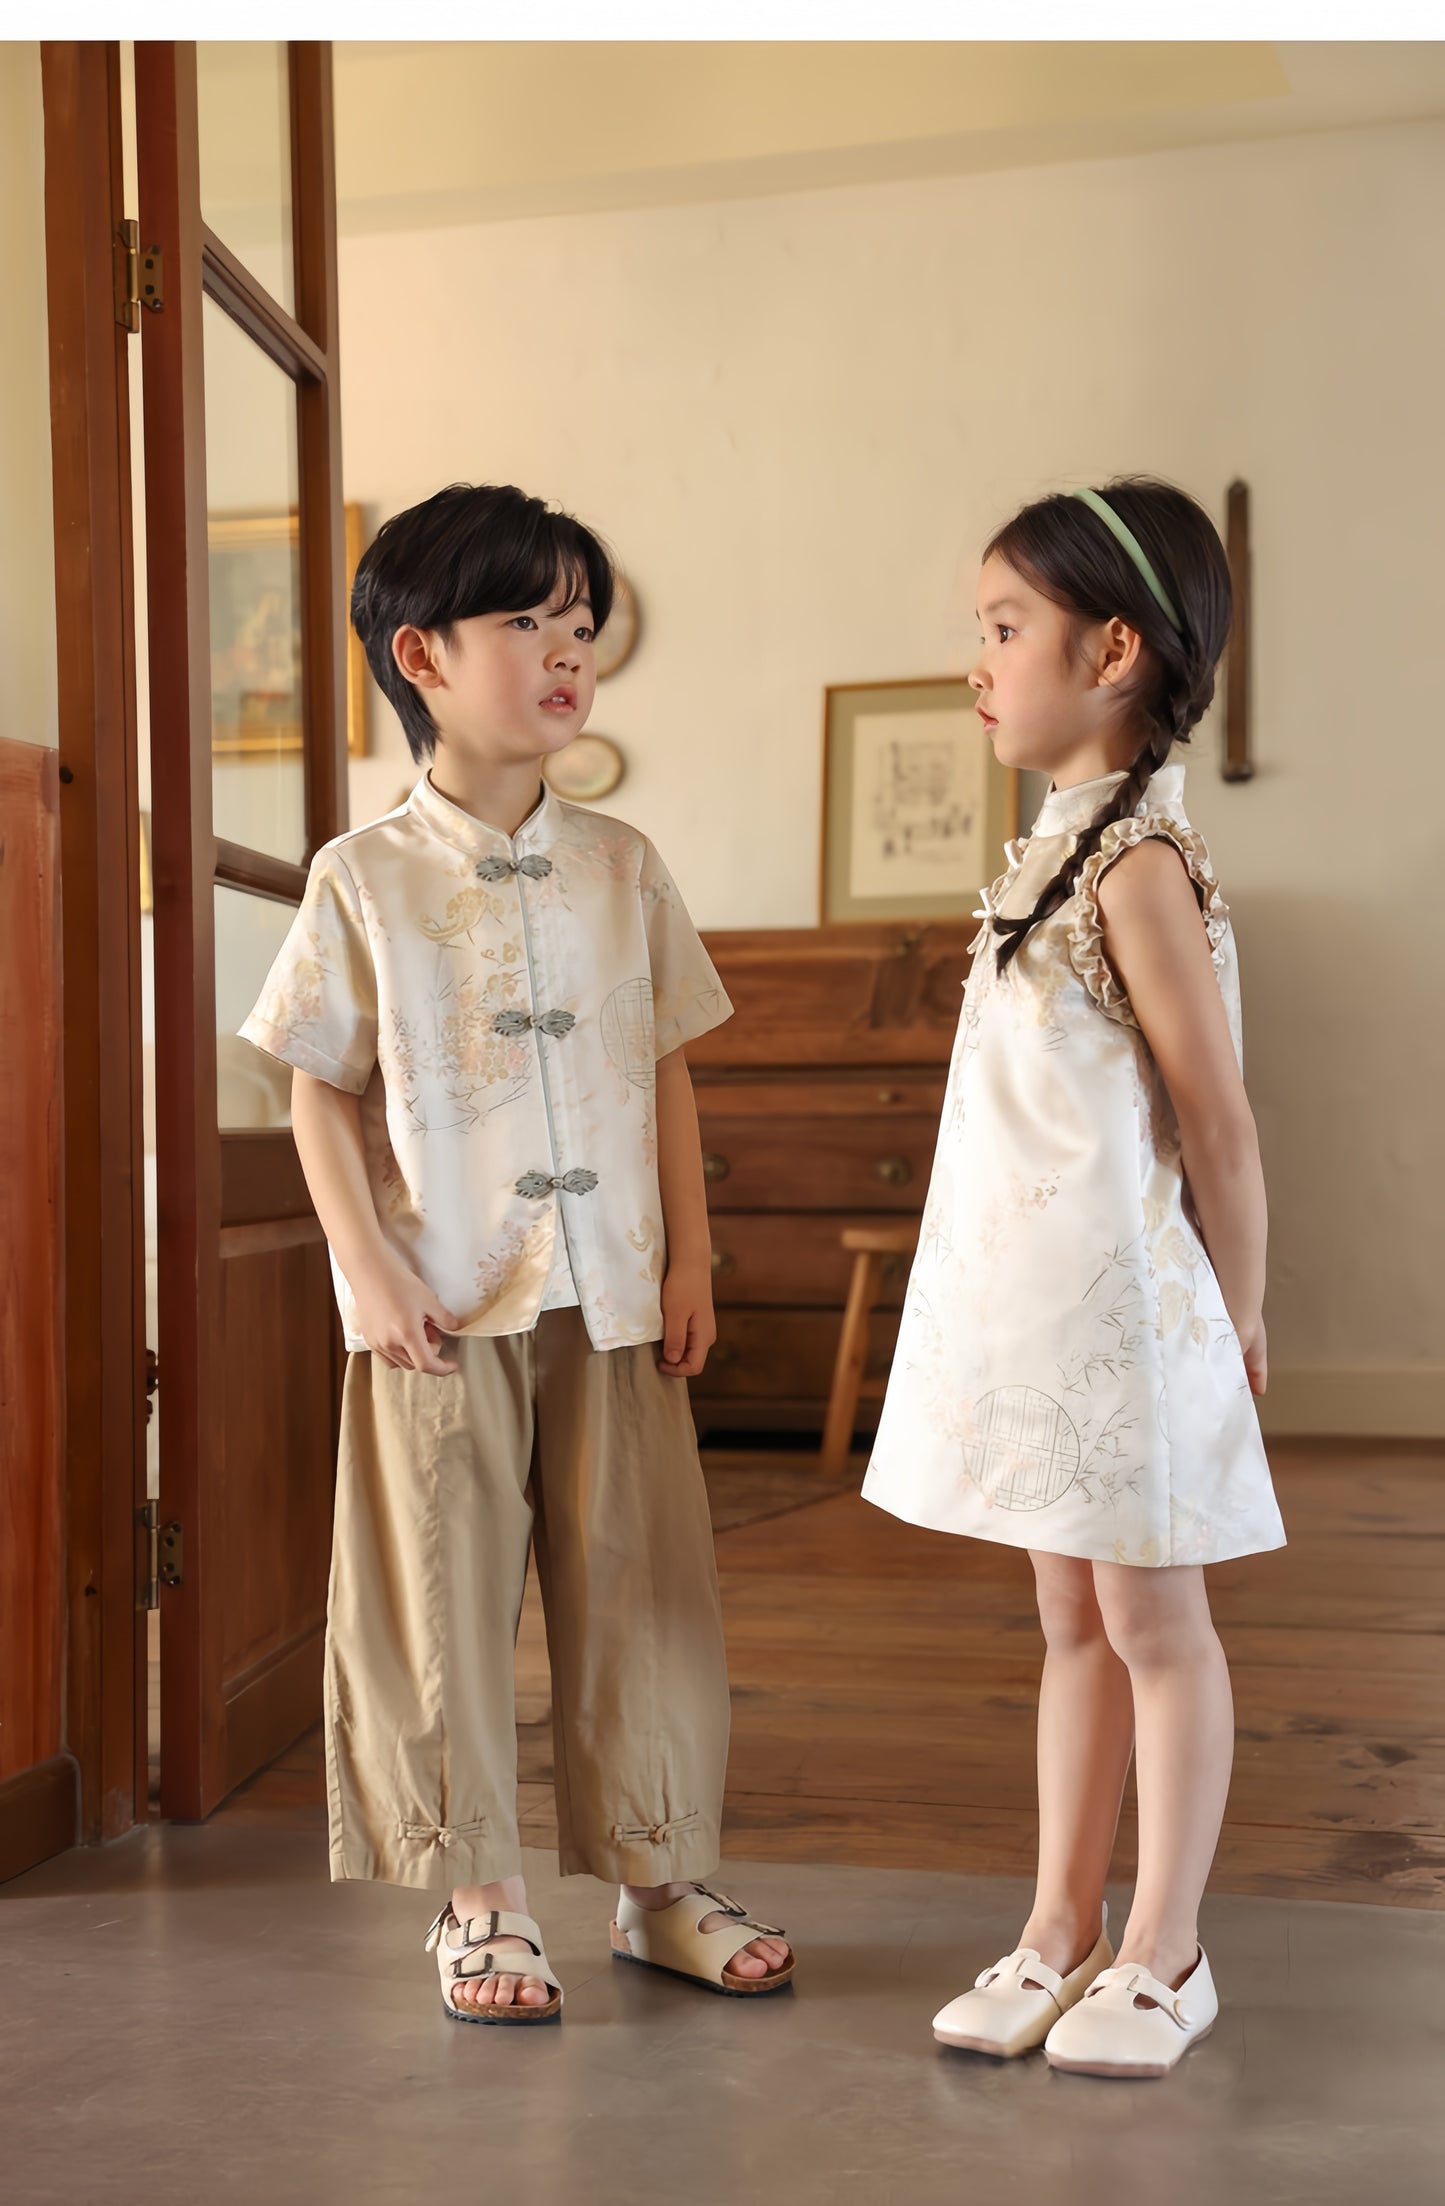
415 652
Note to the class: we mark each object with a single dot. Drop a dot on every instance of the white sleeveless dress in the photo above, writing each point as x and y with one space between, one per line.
1067 1377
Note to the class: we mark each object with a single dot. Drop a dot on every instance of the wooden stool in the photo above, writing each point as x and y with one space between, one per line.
871 1246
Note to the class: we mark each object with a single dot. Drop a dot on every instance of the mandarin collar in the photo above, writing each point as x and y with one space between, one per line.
478 838
1065 811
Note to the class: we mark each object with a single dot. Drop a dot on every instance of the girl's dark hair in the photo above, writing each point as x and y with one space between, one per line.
1071 557
471 549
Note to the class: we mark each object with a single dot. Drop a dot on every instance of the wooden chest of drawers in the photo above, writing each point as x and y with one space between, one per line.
819 1105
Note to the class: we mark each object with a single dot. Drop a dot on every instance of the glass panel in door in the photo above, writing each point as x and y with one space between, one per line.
257 709
252 1089
243 94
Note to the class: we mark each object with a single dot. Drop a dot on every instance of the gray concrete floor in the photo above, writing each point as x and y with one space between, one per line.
196 2014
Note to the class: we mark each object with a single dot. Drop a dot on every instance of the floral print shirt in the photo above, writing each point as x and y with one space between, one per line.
499 1005
1067 1378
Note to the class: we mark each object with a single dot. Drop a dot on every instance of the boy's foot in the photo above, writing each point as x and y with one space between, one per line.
763 1956
509 1897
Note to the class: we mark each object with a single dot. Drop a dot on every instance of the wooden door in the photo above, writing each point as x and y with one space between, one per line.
246 583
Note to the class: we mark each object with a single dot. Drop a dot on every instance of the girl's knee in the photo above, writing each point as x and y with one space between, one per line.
1154 1618
1068 1604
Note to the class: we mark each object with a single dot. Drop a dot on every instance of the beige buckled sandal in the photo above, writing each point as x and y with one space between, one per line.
668 1938
1129 2024
1014 2005
470 1954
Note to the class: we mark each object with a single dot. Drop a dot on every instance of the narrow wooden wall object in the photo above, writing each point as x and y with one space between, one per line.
1238 763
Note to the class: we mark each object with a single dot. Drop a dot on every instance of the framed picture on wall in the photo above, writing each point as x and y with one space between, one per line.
255 590
916 809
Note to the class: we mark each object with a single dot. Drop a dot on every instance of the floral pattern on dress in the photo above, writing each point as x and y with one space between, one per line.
1067 1377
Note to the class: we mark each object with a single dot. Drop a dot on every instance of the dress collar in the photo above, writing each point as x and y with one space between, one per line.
1066 811
478 838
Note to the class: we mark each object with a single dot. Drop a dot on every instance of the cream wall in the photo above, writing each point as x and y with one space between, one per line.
28 708
796 418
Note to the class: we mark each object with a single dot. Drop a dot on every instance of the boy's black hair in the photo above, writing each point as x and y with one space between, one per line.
1070 557
473 548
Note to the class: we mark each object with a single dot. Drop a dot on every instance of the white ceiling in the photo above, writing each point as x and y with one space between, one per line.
446 133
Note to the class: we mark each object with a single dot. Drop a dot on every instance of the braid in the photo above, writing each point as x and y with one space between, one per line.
1119 807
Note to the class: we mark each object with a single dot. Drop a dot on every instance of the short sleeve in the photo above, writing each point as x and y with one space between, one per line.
688 999
1087 954
317 1010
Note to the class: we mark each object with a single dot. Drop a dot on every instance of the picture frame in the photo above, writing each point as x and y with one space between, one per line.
916 808
255 589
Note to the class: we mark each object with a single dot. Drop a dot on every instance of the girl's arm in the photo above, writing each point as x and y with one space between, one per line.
689 1327
1158 946
401 1319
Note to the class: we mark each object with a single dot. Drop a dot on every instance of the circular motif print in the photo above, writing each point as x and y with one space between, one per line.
1024 1451
627 1032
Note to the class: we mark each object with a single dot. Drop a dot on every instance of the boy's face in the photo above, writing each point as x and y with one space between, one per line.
508 687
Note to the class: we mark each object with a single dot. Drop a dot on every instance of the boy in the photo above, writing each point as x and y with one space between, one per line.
484 999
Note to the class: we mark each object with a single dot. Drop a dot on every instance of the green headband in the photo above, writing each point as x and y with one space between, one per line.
1136 551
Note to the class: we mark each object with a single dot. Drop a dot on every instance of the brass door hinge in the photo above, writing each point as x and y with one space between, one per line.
161 1555
139 276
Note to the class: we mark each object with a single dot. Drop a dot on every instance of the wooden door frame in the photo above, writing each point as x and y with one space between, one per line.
189 859
103 1162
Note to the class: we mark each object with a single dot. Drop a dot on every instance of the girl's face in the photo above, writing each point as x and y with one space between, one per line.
508 687
1049 696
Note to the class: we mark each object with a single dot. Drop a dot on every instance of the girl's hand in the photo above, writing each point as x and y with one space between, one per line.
688 1325
401 1319
1256 1357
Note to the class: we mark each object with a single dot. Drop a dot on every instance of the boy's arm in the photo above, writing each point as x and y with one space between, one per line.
689 1328
401 1319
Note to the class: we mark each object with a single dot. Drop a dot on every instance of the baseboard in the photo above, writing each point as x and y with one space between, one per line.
39 1814
1366 1403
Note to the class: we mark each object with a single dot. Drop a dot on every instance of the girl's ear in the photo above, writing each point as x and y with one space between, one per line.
415 652
1116 654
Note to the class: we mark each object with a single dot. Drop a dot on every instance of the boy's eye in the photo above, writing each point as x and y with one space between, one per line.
583 635
523 620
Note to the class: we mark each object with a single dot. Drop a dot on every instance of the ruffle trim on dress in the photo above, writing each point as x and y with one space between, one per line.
1086 932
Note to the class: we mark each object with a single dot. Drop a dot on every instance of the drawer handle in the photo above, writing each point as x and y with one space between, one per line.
723 1263
897 1171
714 1167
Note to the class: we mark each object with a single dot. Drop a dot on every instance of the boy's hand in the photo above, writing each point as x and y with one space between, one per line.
688 1325
401 1319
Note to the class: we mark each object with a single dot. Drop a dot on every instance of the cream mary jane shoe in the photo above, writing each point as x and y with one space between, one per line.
1129 2024
1014 2005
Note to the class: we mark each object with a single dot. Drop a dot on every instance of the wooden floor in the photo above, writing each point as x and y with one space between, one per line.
884 1685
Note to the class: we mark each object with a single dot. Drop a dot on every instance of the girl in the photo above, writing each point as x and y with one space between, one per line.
1082 1331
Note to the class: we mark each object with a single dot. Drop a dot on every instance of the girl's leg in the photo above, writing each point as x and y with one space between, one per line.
1159 1625
1086 1731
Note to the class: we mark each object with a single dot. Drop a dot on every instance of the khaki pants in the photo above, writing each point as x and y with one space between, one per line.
442 1485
